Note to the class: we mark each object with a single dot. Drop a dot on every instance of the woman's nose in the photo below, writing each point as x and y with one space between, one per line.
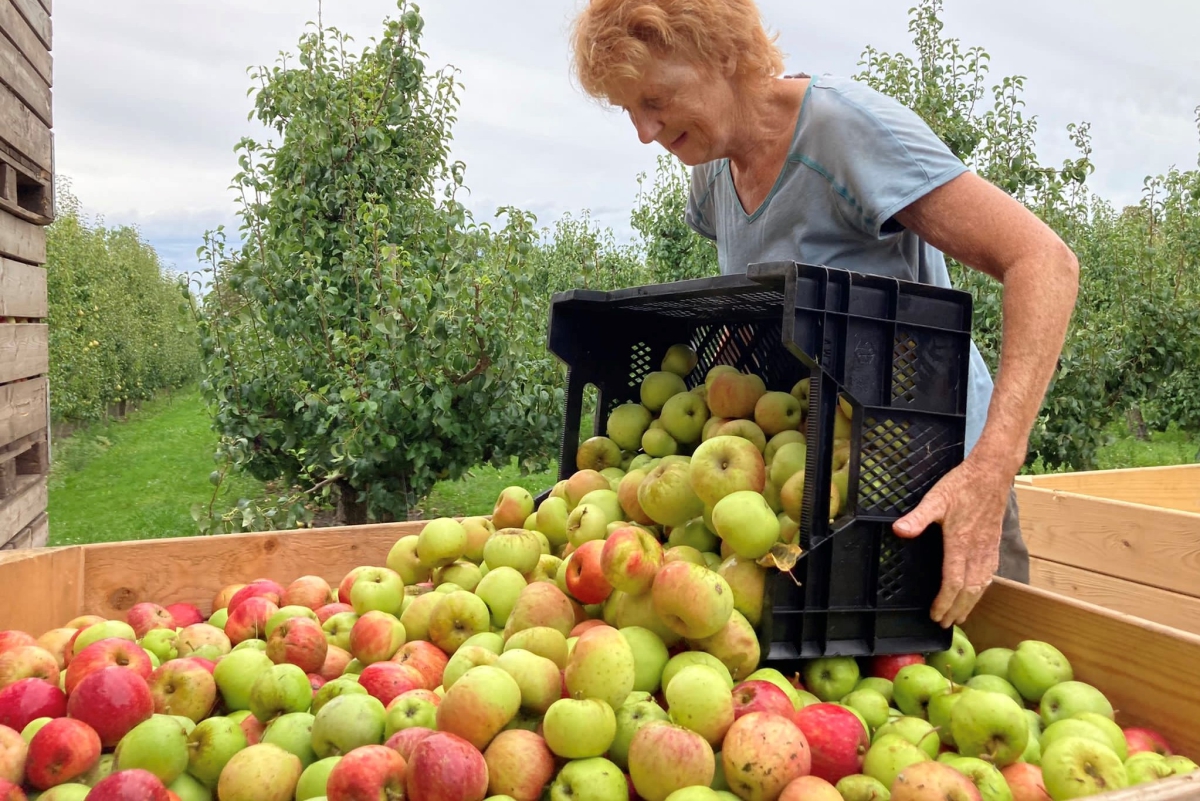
648 128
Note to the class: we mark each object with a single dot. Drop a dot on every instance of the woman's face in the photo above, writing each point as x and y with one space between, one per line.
687 110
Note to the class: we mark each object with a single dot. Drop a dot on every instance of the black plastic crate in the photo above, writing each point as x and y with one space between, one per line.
897 351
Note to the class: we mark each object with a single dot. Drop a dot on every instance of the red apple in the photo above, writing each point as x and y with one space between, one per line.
1141 739
580 628
249 620
30 699
404 741
519 764
101 654
207 664
761 696
343 593
253 728
146 616
183 687
837 738
386 680
126 784
630 558
112 701
585 577
335 663
262 588
11 792
425 657
299 641
933 780
311 591
1025 782
223 596
13 750
886 667
763 752
27 662
375 637
12 638
445 767
61 751
316 681
329 610
367 772
810 788
185 615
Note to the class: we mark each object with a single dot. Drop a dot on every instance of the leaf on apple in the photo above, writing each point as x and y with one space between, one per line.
783 556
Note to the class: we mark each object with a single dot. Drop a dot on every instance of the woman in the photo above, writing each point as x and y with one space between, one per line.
827 171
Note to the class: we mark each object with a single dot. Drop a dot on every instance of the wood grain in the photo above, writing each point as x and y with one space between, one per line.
1180 788
22 410
22 289
1147 670
23 131
1169 608
23 507
1172 487
35 535
193 569
21 240
38 20
1142 544
22 36
24 351
19 75
42 588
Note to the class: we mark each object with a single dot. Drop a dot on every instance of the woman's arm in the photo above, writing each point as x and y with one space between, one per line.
976 223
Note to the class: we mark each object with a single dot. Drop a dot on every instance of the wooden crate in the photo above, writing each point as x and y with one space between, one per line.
1146 669
1090 539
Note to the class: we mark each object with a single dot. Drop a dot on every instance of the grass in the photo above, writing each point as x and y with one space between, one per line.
1164 448
476 492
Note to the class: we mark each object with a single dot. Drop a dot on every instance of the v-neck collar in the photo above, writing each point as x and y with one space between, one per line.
748 217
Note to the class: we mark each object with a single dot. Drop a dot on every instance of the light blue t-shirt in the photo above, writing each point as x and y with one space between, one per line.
857 158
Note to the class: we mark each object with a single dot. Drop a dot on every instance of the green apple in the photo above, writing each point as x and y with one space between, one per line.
377 589
914 685
586 522
255 644
688 658
1181 765
601 665
415 618
871 705
1146 767
347 722
458 616
286 613
776 412
158 745
658 387
552 517
888 755
218 618
462 574
995 684
594 779
698 699
627 423
1069 698
989 725
650 657
683 416
1073 727
343 685
409 709
1115 734
956 663
993 662
1074 767
725 464
279 690
33 727
917 731
664 757
778 441
314 778
880 685
517 548
788 460
695 534
543 641
236 674
1035 667
939 709
579 728
539 679
630 718
680 359
986 777
608 501
745 522
211 745
186 787
109 629
489 640
860 787
337 628
293 733
831 678
666 495
161 643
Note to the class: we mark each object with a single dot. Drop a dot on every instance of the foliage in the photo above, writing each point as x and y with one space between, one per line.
368 335
673 251
119 324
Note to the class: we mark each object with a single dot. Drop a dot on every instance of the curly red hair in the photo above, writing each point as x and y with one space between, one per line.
614 39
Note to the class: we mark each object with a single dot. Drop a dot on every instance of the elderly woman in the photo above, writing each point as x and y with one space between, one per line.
825 170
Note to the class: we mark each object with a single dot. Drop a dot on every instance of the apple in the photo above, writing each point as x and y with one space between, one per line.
261 772
30 699
13 638
861 787
158 745
260 588
61 751
691 600
479 705
1113 733
776 412
683 417
211 744
500 589
293 733
409 709
1073 767
539 679
377 589
371 771
913 686
601 666
930 780
631 717
725 464
14 747
596 453
247 621
939 710
278 690
386 680
888 756
146 616
513 505
585 578
650 657
112 701
329 610
301 642
415 618
312 592
1181 765
404 741
993 662
957 663
315 779
375 637
1069 698
872 705
917 731
836 738
251 726
236 674
1035 667
101 654
1139 739
586 522
627 423
1025 782
184 615
734 394
581 484
541 604
125 784
760 696
517 548
458 616
347 722
761 753
579 728
28 662
429 660
543 641
887 666
745 521
1073 727
831 678
664 757
685 659
445 767
402 559
629 558
336 661
735 645
660 386
990 726
699 699
995 684
72 791
225 595
55 641
519 765
479 529
104 630
181 687
680 359
465 658
790 458
441 542
287 613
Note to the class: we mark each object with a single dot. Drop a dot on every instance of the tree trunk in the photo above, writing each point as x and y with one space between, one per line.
350 512
1137 425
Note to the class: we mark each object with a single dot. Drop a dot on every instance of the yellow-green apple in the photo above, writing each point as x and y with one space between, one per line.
146 616
699 699
933 780
757 695
627 423
861 787
990 726
552 517
683 417
872 705
310 591
666 495
993 662
779 440
102 654
791 496
446 767
747 579
377 589
799 391
657 443
465 658
541 604
917 731
1036 666
658 387
743 429
1074 767
301 642
631 717
627 496
586 522
650 656
761 754
211 745
479 705
478 531
734 394
347 722
261 772
777 411
607 500
601 665
235 675
831 678
664 757
937 711
335 688
695 534
1141 768
372 771
386 680
1072 727
278 690
578 728
913 686
691 600
461 574
441 542
1069 698
1181 765
158 745
375 636
247 621
104 630
63 750
596 453
1114 733
585 578
287 613
338 627
259 588
745 521
629 559
539 679
956 663
723 465
710 427
888 755
181 687
315 779
789 460
593 779
519 765
680 359
735 645
517 548
543 641
404 561
456 617
513 505
415 618
30 662
500 589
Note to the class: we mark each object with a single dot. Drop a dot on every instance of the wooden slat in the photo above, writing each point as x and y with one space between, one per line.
19 75
1180 788
24 350
23 507
1147 670
42 589
38 20
22 410
1169 608
1172 487
192 569
21 240
23 131
1143 544
35 535
22 289
14 26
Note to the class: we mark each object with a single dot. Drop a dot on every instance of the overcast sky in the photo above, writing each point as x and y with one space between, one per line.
150 95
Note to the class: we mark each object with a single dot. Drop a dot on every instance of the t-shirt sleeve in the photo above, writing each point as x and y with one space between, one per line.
699 212
878 155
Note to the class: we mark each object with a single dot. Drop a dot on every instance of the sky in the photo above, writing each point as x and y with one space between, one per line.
150 96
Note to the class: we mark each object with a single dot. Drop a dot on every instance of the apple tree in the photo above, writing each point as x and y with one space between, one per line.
366 337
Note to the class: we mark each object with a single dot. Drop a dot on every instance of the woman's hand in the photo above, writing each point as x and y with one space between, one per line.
969 503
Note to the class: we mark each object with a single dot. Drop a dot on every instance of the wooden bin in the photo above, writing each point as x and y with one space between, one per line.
1128 540
1149 671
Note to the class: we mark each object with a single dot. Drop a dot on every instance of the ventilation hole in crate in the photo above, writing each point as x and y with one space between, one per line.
892 562
759 302
639 364
904 367
900 461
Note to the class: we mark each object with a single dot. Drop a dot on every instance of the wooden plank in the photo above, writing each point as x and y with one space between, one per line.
22 240
24 350
1180 788
22 290
23 131
1169 608
193 569
34 460
42 588
23 507
1146 670
19 75
1172 487
1142 544
35 535
22 410
38 20
14 26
